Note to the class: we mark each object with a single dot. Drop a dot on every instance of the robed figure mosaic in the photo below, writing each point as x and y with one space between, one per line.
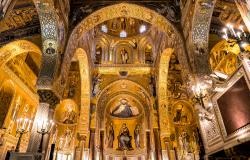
110 135
124 110
137 136
124 138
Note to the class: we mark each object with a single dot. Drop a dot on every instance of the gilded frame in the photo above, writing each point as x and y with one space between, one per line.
243 132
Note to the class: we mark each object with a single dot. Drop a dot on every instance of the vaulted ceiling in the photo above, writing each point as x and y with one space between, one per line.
21 21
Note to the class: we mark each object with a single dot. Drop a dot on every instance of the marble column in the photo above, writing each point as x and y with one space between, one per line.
79 151
166 152
42 113
47 143
82 146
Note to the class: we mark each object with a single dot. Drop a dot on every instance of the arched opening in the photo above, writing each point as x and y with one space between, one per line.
119 113
116 11
18 94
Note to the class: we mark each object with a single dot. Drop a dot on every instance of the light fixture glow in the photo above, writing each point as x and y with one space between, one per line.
229 25
123 34
244 45
142 28
241 27
104 28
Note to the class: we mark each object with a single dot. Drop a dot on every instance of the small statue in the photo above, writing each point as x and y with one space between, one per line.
124 56
137 136
124 139
110 135
96 85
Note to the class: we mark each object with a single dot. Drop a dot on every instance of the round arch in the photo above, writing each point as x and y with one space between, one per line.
122 10
83 123
16 48
163 91
141 93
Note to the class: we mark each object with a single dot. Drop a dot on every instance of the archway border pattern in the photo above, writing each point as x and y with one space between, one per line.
16 48
49 32
114 11
83 124
162 90
200 36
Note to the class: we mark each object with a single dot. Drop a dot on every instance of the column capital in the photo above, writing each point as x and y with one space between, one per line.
81 137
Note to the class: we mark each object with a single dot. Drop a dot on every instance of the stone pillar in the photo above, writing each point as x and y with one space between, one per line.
42 113
152 147
166 152
79 151
82 146
47 143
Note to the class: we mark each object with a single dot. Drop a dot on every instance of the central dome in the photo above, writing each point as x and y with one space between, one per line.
124 27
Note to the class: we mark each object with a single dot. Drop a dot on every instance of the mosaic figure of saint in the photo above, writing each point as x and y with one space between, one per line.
50 49
137 136
124 56
124 138
123 110
69 117
110 135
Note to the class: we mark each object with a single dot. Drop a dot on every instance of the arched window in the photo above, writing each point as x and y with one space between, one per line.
148 54
98 55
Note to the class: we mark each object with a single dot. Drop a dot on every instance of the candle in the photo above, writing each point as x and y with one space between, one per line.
29 125
18 123
239 35
225 30
24 123
241 28
225 37
42 124
231 29
21 123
